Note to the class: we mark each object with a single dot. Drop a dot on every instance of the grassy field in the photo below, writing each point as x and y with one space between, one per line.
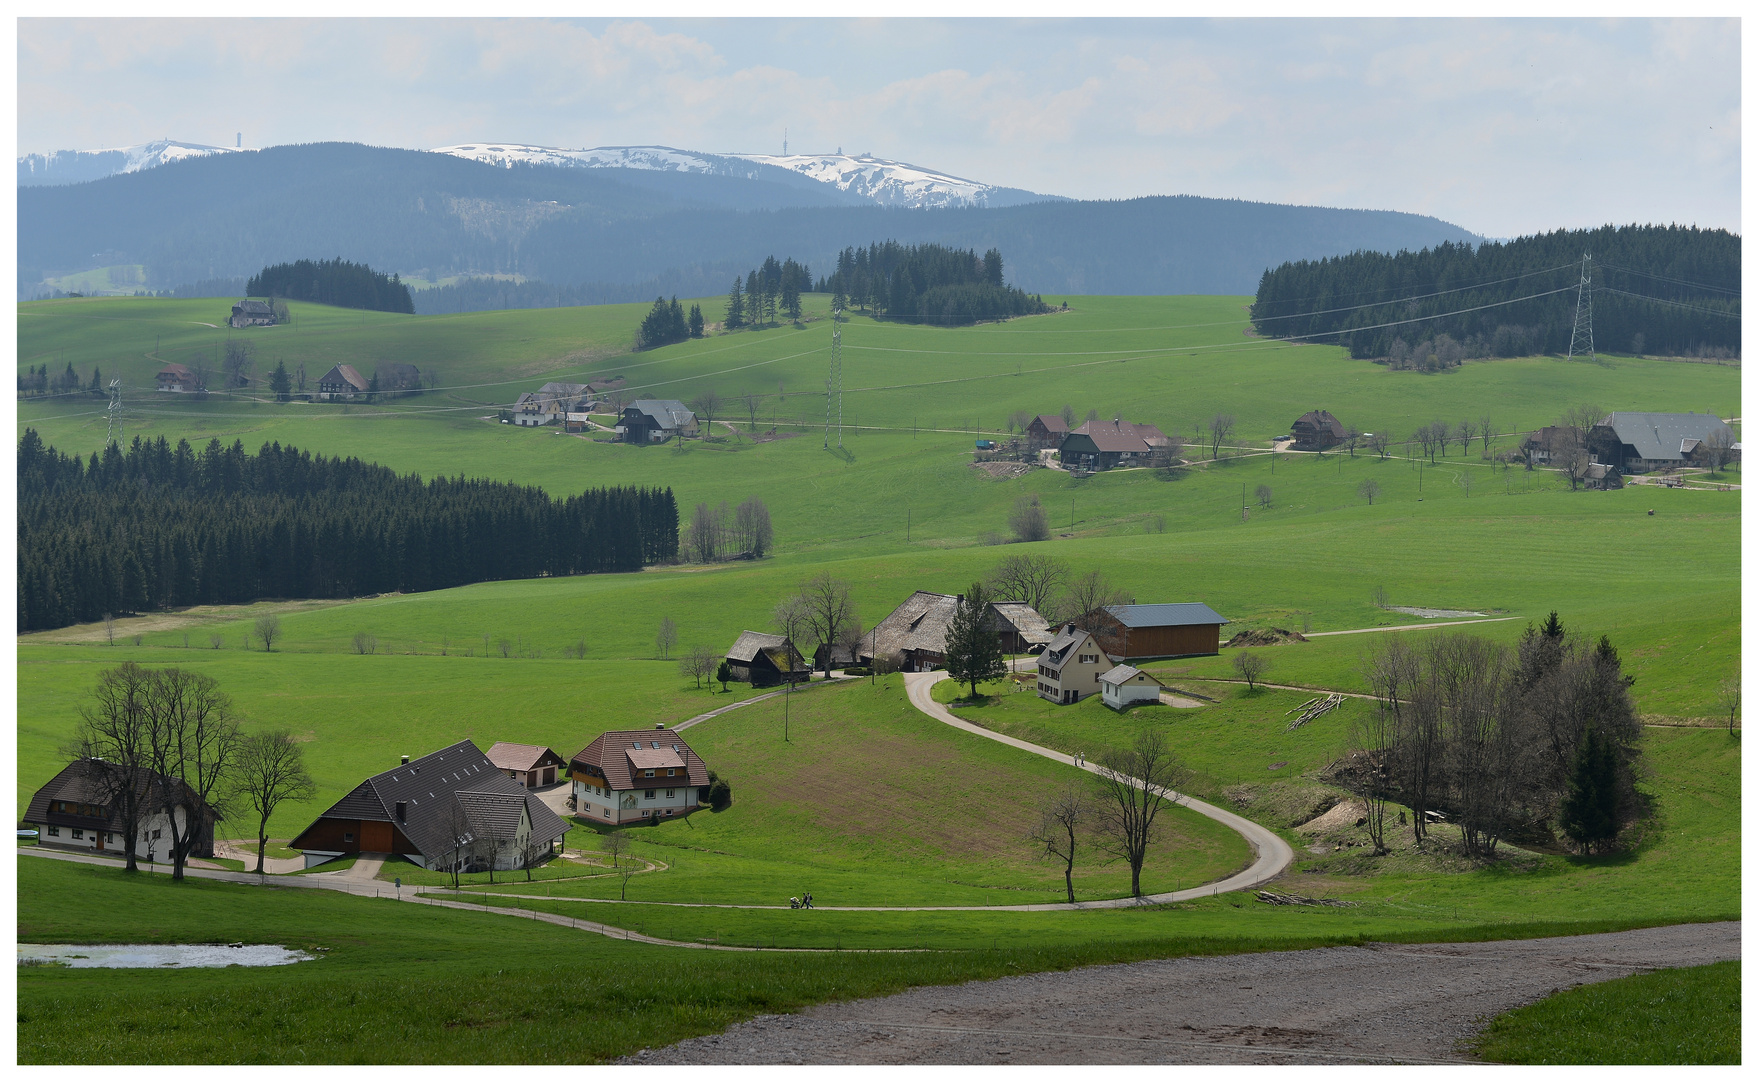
1682 1016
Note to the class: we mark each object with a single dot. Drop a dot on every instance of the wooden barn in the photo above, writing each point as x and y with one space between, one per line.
1152 631
1046 432
765 659
341 383
1317 430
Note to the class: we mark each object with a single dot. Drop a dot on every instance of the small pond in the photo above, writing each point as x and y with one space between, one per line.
160 956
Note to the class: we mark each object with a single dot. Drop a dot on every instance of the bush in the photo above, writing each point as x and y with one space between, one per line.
719 793
856 670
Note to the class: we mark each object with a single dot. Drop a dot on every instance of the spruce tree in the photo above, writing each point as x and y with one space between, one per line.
282 384
1590 810
697 324
735 305
972 651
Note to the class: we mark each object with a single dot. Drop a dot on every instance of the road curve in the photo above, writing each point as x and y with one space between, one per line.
1273 854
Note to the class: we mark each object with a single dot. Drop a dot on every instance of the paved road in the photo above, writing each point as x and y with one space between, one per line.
1377 1004
1412 626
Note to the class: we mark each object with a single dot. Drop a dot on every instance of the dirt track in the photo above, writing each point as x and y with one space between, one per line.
1377 1004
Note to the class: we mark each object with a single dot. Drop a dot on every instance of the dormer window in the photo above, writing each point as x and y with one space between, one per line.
649 772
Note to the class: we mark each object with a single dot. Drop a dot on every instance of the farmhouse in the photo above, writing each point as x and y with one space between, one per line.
252 313
1540 447
177 379
1317 430
1106 444
651 421
394 378
1137 631
452 808
531 411
1642 442
1125 685
1046 432
630 776
527 766
914 633
1069 668
552 402
765 659
341 383
80 810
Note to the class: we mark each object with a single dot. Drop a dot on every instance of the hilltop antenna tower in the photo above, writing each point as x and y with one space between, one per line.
784 132
113 413
832 400
1582 344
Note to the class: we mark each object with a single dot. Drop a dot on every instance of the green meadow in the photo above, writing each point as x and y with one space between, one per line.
844 790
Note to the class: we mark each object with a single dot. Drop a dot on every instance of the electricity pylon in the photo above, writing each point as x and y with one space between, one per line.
114 414
832 401
1582 345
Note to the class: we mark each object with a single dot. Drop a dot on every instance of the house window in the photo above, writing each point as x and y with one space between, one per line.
157 833
650 792
54 830
670 772
79 834
649 772
670 793
347 837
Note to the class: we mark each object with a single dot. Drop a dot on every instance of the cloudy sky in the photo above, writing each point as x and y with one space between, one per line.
1501 126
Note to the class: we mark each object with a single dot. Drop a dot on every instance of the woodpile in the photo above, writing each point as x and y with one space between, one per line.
1288 900
1312 709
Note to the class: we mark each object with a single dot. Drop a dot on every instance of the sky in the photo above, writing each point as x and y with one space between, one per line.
1502 126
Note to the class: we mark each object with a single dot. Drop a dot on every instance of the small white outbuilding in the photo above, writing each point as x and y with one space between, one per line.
1125 685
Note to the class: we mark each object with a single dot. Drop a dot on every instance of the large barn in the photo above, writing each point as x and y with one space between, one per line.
1143 631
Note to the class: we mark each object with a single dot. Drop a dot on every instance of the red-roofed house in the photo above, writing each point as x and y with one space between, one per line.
178 379
632 776
1046 432
530 766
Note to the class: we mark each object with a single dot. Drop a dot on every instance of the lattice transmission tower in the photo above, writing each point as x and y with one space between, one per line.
1582 344
113 413
832 401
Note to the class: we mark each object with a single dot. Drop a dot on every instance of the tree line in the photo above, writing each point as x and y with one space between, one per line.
37 382
927 283
1660 290
333 282
1502 742
666 324
158 527
767 292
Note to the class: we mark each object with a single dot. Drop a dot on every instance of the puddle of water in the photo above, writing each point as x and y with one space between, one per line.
161 956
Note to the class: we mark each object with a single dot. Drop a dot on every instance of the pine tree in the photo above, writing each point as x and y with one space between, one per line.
1590 809
972 651
282 384
697 324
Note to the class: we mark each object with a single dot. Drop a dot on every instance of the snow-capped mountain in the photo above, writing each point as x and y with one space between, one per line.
74 166
889 183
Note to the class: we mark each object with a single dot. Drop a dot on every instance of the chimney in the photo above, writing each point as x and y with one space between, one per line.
405 759
658 727
402 811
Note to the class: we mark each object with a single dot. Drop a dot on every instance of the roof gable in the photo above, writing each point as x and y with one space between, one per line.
751 642
345 373
1124 673
610 754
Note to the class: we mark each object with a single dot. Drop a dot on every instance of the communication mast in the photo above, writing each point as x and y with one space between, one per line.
832 401
1582 344
114 414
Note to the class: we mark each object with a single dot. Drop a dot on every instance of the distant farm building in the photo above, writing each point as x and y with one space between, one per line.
1125 685
652 421
1317 430
527 766
1139 631
1540 447
914 634
177 379
1097 445
1020 627
397 378
342 383
765 659
1070 667
1644 442
631 776
451 808
1046 432
252 313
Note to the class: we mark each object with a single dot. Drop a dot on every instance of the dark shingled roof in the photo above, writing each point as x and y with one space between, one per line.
432 786
1054 423
1021 617
751 642
1135 616
1069 639
1121 437
918 623
345 373
617 755
83 782
1660 436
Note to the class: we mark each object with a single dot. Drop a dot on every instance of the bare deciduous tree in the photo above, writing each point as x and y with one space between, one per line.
792 617
1067 415
1485 428
830 610
1264 495
237 364
1369 490
1442 435
1731 697
1060 818
1028 520
218 641
1134 785
268 629
114 729
192 742
365 644
1087 595
1379 443
110 629
616 847
1715 450
1250 666
698 662
1028 579
270 771
1350 437
752 402
707 406
667 637
1217 430
1466 433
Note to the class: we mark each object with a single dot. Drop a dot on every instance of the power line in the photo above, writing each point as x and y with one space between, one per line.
1672 303
1581 340
1672 280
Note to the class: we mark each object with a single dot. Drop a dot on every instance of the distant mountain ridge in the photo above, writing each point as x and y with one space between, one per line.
78 166
431 215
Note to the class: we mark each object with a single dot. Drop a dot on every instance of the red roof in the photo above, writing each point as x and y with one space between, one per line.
620 756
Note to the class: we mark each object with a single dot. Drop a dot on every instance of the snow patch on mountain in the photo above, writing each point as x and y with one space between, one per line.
74 166
648 158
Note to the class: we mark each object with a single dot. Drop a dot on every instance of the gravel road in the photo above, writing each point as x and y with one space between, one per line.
1374 1004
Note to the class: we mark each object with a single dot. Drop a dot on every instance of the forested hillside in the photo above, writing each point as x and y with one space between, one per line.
929 283
333 282
161 526
435 216
1661 290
